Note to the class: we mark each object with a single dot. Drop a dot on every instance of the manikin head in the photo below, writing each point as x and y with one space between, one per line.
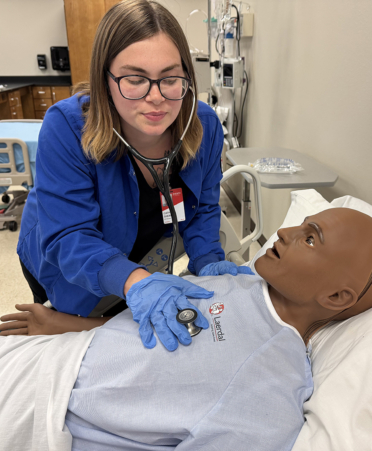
318 270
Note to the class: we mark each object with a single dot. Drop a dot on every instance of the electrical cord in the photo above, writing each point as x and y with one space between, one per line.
236 124
218 36
242 108
237 28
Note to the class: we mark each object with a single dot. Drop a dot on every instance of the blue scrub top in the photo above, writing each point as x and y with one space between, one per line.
81 219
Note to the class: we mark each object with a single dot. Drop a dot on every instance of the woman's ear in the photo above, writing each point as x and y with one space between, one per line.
341 300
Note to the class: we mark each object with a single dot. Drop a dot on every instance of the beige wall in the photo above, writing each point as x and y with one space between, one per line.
310 69
196 30
29 28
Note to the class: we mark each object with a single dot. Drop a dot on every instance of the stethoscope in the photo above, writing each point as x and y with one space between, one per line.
164 185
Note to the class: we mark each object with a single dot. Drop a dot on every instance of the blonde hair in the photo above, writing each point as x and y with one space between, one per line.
124 24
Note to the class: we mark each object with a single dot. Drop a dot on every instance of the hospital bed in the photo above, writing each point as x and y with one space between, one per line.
338 415
15 170
14 199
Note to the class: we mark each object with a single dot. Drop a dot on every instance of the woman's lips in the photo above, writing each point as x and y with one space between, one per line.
155 116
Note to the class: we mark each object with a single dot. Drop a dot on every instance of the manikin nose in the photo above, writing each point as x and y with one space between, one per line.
281 234
287 234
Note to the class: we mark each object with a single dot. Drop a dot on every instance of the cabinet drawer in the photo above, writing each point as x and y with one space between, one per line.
39 114
42 104
16 112
14 98
3 97
41 92
60 93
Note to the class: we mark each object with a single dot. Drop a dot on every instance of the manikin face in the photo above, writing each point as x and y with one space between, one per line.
328 251
155 58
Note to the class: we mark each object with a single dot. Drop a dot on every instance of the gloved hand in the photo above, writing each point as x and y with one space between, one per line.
224 267
155 300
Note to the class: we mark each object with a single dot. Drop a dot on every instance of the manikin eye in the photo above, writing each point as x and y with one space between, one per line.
310 240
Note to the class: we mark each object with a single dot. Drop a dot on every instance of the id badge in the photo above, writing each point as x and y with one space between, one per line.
179 206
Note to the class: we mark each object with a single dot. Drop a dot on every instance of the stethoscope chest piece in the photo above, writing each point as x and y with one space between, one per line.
187 317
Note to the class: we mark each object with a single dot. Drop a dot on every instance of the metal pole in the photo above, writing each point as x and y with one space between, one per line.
209 30
246 214
209 47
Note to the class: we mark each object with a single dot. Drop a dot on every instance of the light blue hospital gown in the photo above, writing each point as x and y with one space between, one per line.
240 385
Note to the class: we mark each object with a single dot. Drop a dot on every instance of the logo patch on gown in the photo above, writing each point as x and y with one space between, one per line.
216 308
216 328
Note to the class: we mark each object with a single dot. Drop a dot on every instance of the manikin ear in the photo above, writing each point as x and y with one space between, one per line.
341 300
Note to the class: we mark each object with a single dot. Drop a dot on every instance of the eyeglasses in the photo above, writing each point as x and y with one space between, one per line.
135 87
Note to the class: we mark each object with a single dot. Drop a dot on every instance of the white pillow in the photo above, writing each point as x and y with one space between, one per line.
339 413
354 203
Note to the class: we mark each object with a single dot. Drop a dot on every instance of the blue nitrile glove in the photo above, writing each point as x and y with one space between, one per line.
156 300
224 267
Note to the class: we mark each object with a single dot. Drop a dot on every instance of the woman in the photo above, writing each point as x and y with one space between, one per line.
95 210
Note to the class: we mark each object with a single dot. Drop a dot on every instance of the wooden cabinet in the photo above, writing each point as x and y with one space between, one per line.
31 102
60 93
46 96
4 106
14 98
82 19
16 104
42 100
41 92
42 104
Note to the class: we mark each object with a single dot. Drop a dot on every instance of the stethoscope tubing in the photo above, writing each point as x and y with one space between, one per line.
164 186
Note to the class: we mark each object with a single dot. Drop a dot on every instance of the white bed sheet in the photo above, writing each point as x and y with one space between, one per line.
339 414
37 375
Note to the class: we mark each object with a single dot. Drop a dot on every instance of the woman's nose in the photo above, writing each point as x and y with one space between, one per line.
154 94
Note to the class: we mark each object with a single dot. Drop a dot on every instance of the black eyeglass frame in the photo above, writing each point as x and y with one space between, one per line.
117 81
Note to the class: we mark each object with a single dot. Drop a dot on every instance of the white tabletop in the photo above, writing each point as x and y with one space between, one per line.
315 174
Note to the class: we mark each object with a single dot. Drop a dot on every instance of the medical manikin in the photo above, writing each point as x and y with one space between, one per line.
242 383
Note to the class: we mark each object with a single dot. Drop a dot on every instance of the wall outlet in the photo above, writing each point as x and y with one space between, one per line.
41 62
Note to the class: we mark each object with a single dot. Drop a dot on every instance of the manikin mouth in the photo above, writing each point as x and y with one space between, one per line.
275 251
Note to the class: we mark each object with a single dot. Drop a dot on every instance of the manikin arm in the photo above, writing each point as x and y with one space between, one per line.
35 319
